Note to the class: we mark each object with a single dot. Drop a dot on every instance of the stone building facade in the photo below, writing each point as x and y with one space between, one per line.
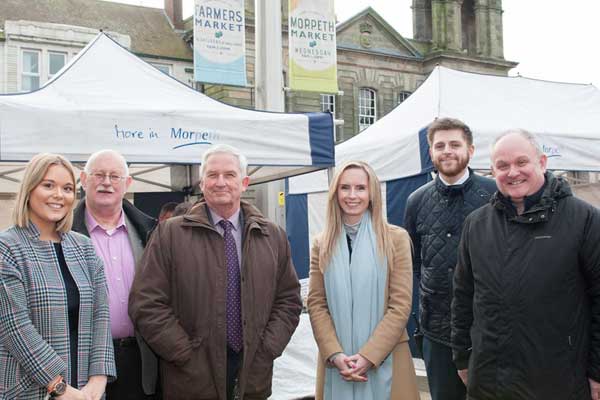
38 37
378 68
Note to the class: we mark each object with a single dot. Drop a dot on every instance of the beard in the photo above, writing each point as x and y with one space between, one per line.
455 169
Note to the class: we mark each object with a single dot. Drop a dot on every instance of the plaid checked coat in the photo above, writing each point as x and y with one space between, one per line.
34 327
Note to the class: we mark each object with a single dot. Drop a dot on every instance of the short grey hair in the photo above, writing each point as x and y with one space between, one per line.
530 137
116 154
225 149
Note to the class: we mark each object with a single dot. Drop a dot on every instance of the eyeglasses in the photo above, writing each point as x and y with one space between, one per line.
114 178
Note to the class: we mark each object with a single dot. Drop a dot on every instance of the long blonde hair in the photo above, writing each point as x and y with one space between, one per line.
34 173
334 222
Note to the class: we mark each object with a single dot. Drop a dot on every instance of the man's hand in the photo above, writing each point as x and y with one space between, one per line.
594 389
463 373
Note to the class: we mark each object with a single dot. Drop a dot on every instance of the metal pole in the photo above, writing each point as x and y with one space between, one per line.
269 85
269 64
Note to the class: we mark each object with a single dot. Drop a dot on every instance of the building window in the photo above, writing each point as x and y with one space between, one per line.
55 62
367 108
328 103
30 75
403 95
162 68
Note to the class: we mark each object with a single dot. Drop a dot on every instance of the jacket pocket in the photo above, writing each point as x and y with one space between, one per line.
260 374
192 378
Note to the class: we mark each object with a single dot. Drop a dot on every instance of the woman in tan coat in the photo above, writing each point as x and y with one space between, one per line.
360 295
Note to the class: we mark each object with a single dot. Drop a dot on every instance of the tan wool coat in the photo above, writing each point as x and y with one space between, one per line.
390 336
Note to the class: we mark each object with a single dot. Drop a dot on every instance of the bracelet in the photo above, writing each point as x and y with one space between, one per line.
332 358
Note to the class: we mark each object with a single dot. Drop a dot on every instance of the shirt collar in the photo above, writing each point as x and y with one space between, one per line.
462 179
92 224
234 219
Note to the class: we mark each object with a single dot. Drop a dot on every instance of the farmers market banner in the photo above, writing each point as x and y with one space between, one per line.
312 46
220 42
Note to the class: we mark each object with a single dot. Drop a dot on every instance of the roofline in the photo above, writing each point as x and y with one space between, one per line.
162 57
380 53
370 11
460 56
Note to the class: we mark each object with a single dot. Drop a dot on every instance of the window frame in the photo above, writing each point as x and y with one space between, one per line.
24 74
161 66
401 96
327 102
65 57
366 111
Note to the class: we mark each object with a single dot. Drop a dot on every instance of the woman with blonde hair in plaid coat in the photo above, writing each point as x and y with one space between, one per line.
54 321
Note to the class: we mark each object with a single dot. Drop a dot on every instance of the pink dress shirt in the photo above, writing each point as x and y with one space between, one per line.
114 248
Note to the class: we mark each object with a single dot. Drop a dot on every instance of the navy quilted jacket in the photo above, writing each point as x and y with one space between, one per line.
434 218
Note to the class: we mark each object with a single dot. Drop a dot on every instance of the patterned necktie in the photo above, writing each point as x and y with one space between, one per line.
234 304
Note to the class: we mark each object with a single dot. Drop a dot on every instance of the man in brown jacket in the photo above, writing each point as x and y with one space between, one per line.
217 297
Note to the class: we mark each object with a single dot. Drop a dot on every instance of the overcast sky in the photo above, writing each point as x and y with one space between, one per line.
551 39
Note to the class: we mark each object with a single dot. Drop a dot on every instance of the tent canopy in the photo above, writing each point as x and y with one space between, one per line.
564 117
107 97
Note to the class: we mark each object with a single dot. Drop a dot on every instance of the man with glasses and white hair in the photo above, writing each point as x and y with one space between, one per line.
118 231
217 296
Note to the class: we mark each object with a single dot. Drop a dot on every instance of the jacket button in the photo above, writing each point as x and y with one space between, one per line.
449 234
450 269
245 323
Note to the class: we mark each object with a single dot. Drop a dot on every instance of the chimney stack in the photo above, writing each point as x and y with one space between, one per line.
173 9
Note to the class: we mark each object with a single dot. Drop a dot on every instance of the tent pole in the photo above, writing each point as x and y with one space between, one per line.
269 87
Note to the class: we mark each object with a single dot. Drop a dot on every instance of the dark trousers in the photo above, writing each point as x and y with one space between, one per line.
444 382
128 360
234 361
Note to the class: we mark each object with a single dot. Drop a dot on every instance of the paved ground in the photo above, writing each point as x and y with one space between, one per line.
421 379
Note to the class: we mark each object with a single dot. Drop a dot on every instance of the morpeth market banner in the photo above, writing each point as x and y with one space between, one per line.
220 42
312 46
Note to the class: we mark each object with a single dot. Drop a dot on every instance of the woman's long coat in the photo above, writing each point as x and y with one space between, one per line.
34 324
390 336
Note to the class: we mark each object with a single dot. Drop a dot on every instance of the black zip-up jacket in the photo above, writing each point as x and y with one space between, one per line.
526 306
434 218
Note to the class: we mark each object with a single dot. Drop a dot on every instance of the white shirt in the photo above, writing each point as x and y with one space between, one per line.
462 179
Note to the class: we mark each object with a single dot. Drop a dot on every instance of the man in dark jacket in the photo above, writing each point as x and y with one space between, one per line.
118 231
526 306
217 296
434 218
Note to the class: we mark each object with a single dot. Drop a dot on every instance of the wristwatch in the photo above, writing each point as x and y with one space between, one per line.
59 388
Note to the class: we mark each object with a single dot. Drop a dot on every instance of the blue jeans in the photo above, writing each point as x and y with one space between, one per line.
444 382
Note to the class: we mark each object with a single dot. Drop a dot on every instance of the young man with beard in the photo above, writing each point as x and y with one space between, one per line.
434 218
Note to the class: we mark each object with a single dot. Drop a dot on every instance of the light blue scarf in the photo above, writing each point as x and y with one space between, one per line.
356 298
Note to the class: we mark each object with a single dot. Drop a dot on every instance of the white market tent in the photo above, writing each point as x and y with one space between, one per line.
107 97
564 117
